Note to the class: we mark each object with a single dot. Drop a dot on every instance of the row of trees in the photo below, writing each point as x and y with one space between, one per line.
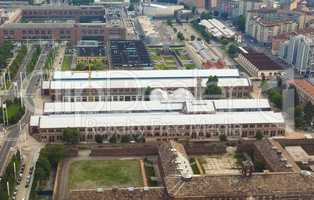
72 136
202 30
50 59
49 158
31 65
13 68
9 177
5 53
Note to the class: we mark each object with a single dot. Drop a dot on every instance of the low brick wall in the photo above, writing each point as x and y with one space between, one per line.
307 144
157 193
72 151
125 150
204 148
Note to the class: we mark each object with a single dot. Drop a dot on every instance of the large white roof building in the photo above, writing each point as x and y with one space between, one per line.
199 106
141 83
154 119
145 74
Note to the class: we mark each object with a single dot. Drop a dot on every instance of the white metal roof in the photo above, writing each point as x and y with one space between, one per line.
152 106
34 121
141 83
234 82
110 106
199 106
158 119
241 104
145 74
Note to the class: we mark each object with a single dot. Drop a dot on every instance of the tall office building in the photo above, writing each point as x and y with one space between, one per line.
298 51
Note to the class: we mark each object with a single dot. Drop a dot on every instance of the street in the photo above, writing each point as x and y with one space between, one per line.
13 132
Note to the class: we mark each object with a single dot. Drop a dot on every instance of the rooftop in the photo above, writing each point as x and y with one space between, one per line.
237 185
129 53
219 105
260 60
37 25
305 85
145 74
155 119
141 83
282 184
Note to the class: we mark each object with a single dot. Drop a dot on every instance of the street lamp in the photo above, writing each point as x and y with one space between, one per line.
5 114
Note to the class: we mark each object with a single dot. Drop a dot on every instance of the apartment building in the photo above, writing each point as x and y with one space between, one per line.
264 24
298 52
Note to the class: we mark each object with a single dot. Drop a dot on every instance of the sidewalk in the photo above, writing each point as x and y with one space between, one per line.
57 64
30 149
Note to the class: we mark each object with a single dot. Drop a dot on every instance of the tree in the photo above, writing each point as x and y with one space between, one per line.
71 136
224 15
298 117
308 113
81 2
259 166
131 7
259 135
242 20
206 15
99 138
126 138
180 36
54 153
192 37
194 10
222 137
275 97
113 139
211 86
42 168
169 22
147 92
232 50
202 30
279 81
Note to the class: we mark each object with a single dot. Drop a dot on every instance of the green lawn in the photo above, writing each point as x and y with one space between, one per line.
190 66
15 111
105 173
97 64
67 61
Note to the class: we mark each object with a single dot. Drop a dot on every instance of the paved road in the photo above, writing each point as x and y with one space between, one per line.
14 132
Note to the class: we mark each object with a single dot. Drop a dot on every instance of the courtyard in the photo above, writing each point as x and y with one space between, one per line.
105 173
172 58
226 163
